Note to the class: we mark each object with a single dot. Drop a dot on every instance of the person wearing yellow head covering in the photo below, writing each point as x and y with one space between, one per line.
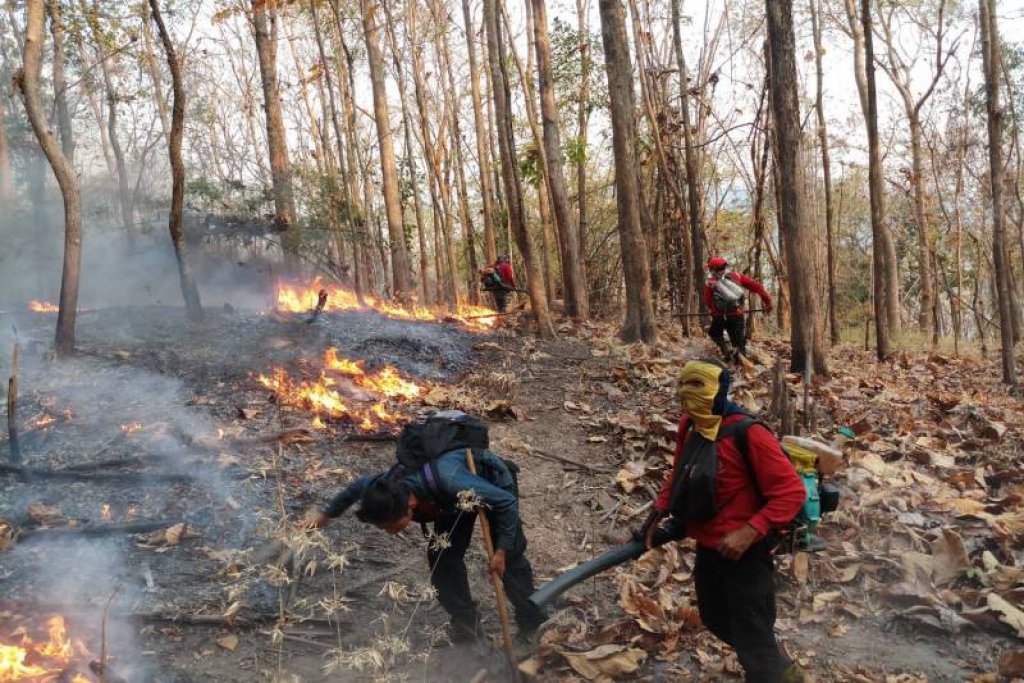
750 495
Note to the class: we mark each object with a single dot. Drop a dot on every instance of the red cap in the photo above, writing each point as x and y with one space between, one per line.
716 263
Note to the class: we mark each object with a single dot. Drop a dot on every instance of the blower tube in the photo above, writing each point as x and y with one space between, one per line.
606 560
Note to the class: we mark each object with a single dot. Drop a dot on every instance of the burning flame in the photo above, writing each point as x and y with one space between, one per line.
29 661
304 298
105 512
324 397
42 422
42 307
131 428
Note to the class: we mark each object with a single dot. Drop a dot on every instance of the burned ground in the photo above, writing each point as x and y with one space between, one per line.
589 421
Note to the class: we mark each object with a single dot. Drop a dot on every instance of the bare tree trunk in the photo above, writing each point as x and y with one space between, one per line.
826 168
876 181
264 20
67 138
389 173
572 261
189 290
883 245
992 55
26 80
154 74
805 328
410 161
486 192
510 170
582 125
639 323
693 192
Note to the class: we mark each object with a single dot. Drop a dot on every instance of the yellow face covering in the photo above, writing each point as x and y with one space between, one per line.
698 387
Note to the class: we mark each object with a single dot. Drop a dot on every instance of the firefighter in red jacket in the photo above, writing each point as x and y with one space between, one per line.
500 281
756 493
723 295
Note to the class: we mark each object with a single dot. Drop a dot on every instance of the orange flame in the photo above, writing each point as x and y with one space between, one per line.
324 397
303 298
131 427
42 307
29 661
105 512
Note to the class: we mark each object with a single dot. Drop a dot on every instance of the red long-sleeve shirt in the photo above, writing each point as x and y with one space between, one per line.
505 273
748 283
773 502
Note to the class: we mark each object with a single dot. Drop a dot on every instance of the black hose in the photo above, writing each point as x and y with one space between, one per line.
606 560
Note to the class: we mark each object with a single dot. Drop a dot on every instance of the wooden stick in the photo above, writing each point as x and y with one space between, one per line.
12 409
499 588
569 461
99 529
74 475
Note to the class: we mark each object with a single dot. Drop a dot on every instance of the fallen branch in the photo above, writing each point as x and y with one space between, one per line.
105 673
569 461
73 475
12 409
99 529
131 461
372 436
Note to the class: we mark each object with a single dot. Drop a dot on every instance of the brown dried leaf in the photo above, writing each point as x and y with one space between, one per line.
228 642
605 661
950 557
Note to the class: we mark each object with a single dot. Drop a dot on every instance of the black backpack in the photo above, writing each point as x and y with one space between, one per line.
695 485
427 438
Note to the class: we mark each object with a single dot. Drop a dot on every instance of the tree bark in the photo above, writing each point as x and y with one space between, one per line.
6 178
486 192
826 169
992 55
264 20
639 324
805 328
582 126
154 74
693 192
572 260
26 80
189 289
389 173
67 138
510 170
409 160
876 180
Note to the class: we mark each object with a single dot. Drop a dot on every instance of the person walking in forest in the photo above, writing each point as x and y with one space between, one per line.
500 281
432 482
740 487
723 295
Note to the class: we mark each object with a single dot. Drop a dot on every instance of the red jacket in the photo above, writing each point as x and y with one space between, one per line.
505 273
782 492
747 283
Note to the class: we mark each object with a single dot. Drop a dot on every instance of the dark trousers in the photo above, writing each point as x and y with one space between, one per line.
448 575
735 325
737 603
500 299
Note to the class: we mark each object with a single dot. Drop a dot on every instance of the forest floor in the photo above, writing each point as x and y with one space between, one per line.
923 577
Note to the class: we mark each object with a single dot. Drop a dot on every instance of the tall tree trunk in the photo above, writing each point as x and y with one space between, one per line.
460 172
926 318
125 199
805 328
154 75
510 170
876 180
639 323
487 194
189 290
389 173
582 126
826 168
26 80
992 55
264 20
693 192
67 138
573 271
410 160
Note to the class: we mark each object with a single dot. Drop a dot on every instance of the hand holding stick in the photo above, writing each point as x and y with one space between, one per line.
499 588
